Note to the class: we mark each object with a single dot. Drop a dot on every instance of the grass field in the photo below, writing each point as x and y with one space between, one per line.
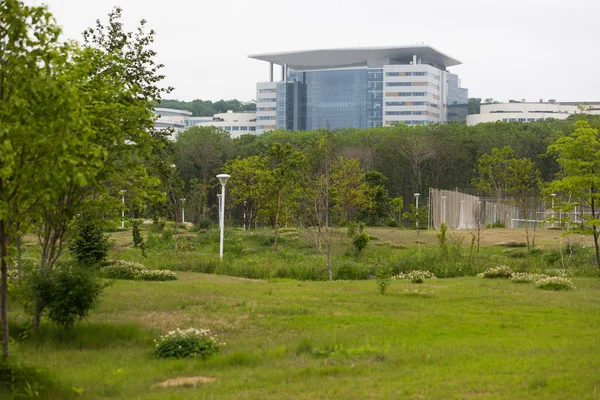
457 338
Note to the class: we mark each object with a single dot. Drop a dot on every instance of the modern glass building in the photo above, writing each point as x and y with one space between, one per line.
359 87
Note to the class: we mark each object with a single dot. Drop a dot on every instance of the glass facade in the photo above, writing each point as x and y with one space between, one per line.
374 97
285 105
334 98
457 100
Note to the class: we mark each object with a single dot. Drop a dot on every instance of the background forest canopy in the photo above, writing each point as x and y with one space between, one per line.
409 159
206 108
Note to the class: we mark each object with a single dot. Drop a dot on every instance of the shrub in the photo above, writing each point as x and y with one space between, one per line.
555 283
203 222
513 244
524 277
383 277
155 275
360 241
67 294
501 271
352 226
391 222
90 245
442 237
417 276
120 269
184 343
167 235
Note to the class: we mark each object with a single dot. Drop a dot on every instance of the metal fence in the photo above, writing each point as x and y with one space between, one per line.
465 211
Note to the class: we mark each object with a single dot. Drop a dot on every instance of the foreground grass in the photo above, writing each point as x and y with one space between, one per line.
447 338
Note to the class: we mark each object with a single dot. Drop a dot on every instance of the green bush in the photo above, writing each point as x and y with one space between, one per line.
155 275
391 222
555 283
383 277
203 222
501 271
167 235
187 343
67 294
90 245
352 226
120 269
360 241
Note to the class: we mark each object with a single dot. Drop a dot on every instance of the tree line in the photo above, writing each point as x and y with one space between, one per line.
206 108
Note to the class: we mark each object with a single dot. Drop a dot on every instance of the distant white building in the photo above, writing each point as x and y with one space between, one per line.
236 123
171 118
523 111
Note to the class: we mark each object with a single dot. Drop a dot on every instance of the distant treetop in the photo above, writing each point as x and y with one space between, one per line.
206 108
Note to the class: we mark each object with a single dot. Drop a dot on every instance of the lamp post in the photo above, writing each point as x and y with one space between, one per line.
417 203
244 214
182 211
553 196
123 209
223 179
219 197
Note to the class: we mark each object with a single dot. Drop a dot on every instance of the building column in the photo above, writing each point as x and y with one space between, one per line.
270 72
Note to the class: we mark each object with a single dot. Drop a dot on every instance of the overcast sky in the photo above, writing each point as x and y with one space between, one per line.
511 49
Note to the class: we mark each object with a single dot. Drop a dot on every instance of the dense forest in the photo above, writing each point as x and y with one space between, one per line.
206 108
393 162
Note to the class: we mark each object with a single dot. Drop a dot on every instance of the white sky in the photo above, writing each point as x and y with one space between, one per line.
510 49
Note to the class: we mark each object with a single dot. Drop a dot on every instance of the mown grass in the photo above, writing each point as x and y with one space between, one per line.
453 338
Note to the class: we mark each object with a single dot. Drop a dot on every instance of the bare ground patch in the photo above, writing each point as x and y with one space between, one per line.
185 381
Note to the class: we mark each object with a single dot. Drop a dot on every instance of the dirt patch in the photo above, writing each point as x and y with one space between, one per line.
185 381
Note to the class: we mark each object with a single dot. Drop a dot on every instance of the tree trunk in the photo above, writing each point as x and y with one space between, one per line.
19 242
596 245
4 287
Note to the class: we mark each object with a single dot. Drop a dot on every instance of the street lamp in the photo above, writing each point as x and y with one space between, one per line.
123 209
553 196
182 211
244 214
223 179
417 203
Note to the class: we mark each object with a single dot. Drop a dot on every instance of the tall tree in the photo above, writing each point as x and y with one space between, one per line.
287 165
248 185
522 185
349 189
493 173
579 159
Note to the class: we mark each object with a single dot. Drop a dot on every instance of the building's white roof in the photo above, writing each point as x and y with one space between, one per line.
352 57
158 110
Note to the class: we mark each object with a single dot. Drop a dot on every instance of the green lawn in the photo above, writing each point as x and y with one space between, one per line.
454 338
